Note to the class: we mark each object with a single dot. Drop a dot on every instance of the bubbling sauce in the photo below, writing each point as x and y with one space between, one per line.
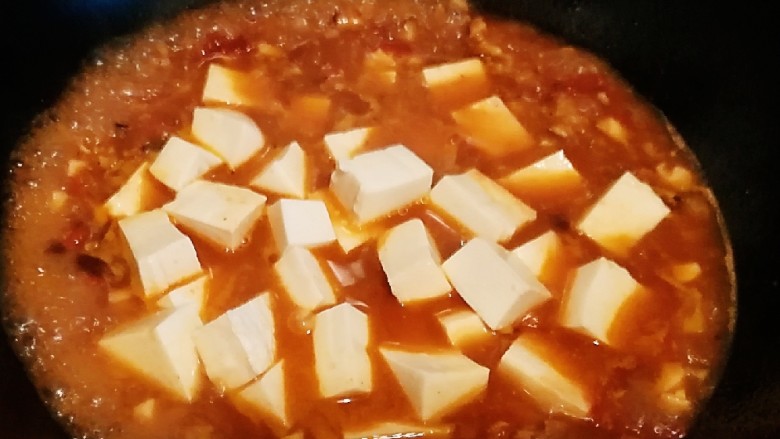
304 70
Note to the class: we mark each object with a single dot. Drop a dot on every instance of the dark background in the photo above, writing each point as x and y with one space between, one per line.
709 66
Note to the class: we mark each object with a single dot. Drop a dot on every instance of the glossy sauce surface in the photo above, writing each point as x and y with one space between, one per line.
67 267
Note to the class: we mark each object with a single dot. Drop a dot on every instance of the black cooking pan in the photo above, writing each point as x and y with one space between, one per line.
710 67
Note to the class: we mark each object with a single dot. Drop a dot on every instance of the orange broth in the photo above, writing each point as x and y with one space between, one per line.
67 267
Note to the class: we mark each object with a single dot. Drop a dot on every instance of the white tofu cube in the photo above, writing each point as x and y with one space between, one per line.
301 223
191 293
552 169
377 183
624 214
238 345
350 238
463 327
481 205
499 292
397 430
536 253
344 144
230 134
146 410
454 72
164 256
181 162
160 348
436 383
341 362
412 263
598 291
223 214
130 198
490 126
303 279
286 174
553 391
267 397
223 85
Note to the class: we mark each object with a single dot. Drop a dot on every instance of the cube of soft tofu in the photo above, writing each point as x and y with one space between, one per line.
223 85
223 214
499 292
181 162
377 183
130 198
462 327
145 411
350 238
348 234
341 361
238 345
490 126
524 364
164 256
230 134
554 169
597 292
458 82
191 293
436 383
538 252
344 144
481 205
614 129
160 348
380 68
303 279
286 174
625 213
267 397
412 263
301 223
394 430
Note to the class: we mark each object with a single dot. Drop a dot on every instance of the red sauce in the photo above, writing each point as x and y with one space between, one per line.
64 261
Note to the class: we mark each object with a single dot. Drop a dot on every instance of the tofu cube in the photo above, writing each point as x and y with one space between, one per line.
481 205
181 162
286 174
130 199
238 345
524 364
160 348
343 145
614 129
163 255
499 292
457 83
191 293
350 238
412 263
341 362
597 292
463 327
554 169
230 134
303 279
146 410
538 252
301 223
393 430
267 397
223 85
377 183
491 127
220 213
436 383
625 213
